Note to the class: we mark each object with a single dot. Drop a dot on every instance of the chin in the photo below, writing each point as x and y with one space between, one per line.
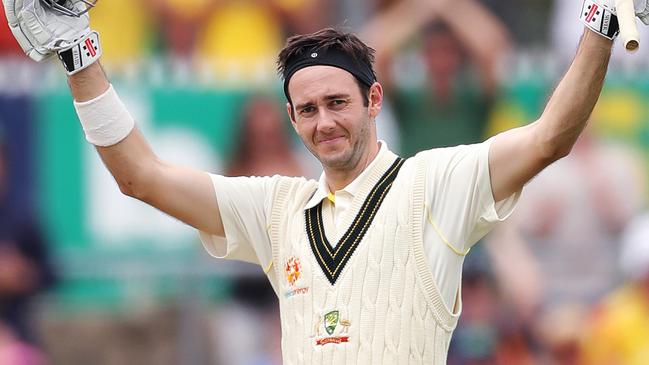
338 160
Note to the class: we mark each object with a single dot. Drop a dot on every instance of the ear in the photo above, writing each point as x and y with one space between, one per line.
291 115
375 99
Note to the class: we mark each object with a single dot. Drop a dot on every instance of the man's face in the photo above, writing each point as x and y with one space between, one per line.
330 116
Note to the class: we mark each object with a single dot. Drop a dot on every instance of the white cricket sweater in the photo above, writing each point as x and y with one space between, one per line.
384 307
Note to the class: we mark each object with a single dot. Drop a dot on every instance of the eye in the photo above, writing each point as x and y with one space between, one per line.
307 110
338 103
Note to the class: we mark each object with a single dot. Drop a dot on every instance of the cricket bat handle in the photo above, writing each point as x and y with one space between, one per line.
628 28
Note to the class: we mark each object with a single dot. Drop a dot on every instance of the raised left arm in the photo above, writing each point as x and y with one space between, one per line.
517 155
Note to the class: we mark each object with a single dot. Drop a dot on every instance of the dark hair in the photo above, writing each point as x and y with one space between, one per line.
326 39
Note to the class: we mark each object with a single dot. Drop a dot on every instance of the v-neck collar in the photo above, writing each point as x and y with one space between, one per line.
371 193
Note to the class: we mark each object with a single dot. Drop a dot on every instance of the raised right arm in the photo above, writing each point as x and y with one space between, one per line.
183 193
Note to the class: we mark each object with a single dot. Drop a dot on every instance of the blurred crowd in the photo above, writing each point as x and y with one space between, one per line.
564 281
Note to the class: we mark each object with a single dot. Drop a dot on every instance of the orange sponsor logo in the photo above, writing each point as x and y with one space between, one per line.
292 269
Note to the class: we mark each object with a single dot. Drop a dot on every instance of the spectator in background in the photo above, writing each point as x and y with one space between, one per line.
126 29
564 237
178 22
560 332
442 94
264 147
236 41
239 41
580 205
490 331
476 337
25 269
619 327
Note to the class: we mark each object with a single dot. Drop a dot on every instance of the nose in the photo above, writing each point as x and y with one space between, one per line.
326 121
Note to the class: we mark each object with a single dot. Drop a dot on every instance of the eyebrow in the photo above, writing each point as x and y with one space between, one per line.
303 105
337 96
327 97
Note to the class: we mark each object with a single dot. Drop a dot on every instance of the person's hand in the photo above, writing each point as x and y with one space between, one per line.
43 32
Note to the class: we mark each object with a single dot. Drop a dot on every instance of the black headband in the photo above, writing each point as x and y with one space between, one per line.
330 57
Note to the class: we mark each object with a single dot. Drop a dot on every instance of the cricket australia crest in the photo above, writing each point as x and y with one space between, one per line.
331 329
331 321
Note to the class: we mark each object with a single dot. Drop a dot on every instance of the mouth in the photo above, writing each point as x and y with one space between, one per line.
330 140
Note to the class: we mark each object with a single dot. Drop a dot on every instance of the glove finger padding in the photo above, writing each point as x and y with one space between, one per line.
642 10
12 10
52 31
34 28
37 55
12 7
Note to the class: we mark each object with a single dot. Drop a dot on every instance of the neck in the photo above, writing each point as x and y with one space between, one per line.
337 179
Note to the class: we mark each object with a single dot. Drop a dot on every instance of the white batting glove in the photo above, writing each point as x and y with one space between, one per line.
642 10
43 32
601 16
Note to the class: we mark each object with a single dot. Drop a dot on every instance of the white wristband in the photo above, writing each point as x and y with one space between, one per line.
105 119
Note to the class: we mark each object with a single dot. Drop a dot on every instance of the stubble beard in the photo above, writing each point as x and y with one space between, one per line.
347 159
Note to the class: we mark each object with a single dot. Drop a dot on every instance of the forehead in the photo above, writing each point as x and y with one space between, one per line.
314 82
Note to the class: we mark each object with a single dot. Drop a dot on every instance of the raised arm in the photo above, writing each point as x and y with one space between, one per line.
519 154
47 29
183 193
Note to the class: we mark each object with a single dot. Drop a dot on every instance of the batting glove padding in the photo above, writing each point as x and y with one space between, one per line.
642 10
42 32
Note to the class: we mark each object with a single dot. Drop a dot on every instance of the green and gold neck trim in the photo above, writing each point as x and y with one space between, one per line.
332 261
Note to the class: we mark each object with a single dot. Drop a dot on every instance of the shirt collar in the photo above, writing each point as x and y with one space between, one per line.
352 188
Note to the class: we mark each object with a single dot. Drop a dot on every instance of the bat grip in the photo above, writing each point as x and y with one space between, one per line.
628 27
